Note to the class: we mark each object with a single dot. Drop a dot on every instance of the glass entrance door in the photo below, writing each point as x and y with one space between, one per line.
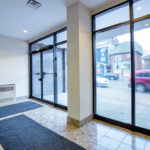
48 69
48 75
36 75
43 75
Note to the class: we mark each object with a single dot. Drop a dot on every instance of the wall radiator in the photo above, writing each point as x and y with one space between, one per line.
8 91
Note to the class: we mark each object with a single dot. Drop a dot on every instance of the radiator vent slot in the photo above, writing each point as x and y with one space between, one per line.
6 89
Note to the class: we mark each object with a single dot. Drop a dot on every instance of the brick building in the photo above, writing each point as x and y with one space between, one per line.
120 59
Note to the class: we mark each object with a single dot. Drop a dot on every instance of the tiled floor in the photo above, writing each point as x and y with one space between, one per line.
95 135
1 148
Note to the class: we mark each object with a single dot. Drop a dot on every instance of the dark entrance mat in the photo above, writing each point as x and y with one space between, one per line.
17 108
22 133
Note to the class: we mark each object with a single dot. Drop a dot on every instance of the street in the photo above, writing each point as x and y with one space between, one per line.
114 102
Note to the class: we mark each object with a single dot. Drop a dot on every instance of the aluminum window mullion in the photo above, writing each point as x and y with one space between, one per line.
132 65
55 71
94 67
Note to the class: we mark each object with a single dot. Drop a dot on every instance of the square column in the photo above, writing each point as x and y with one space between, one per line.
79 35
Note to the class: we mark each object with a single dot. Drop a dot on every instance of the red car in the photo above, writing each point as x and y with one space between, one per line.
142 81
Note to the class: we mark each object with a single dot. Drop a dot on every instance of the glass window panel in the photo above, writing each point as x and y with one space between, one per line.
42 43
112 17
48 76
61 36
36 75
141 8
62 74
142 72
113 70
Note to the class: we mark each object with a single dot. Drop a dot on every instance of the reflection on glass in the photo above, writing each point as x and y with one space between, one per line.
62 74
141 8
36 76
48 76
42 43
119 15
113 69
142 73
62 36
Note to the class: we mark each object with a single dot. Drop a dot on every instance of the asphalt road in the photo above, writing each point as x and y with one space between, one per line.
115 102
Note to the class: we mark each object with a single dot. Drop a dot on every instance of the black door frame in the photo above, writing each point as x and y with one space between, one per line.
50 47
54 47
131 22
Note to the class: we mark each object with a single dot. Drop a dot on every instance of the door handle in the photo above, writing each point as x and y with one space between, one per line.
44 73
37 73
40 79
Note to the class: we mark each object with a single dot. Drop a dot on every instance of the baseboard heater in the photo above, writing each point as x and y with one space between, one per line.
8 91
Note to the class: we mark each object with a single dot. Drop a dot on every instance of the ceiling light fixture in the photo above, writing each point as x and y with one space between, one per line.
25 31
33 4
138 8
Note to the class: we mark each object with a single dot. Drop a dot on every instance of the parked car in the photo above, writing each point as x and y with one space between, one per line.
142 81
110 76
101 81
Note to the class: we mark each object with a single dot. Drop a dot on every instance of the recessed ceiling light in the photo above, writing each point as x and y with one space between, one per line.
146 25
25 31
138 8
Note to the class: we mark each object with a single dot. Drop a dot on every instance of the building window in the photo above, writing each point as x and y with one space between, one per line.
121 54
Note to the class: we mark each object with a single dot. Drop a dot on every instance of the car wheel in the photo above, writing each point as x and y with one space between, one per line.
140 88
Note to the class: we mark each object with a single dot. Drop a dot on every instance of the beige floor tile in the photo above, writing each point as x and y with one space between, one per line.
109 143
116 134
1 148
127 147
135 141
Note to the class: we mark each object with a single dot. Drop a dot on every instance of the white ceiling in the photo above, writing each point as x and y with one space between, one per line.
15 16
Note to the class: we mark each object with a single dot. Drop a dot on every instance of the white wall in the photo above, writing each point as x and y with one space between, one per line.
14 64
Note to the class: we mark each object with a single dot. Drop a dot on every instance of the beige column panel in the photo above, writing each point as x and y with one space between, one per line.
79 64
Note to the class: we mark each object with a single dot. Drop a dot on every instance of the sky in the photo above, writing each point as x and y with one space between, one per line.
141 36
